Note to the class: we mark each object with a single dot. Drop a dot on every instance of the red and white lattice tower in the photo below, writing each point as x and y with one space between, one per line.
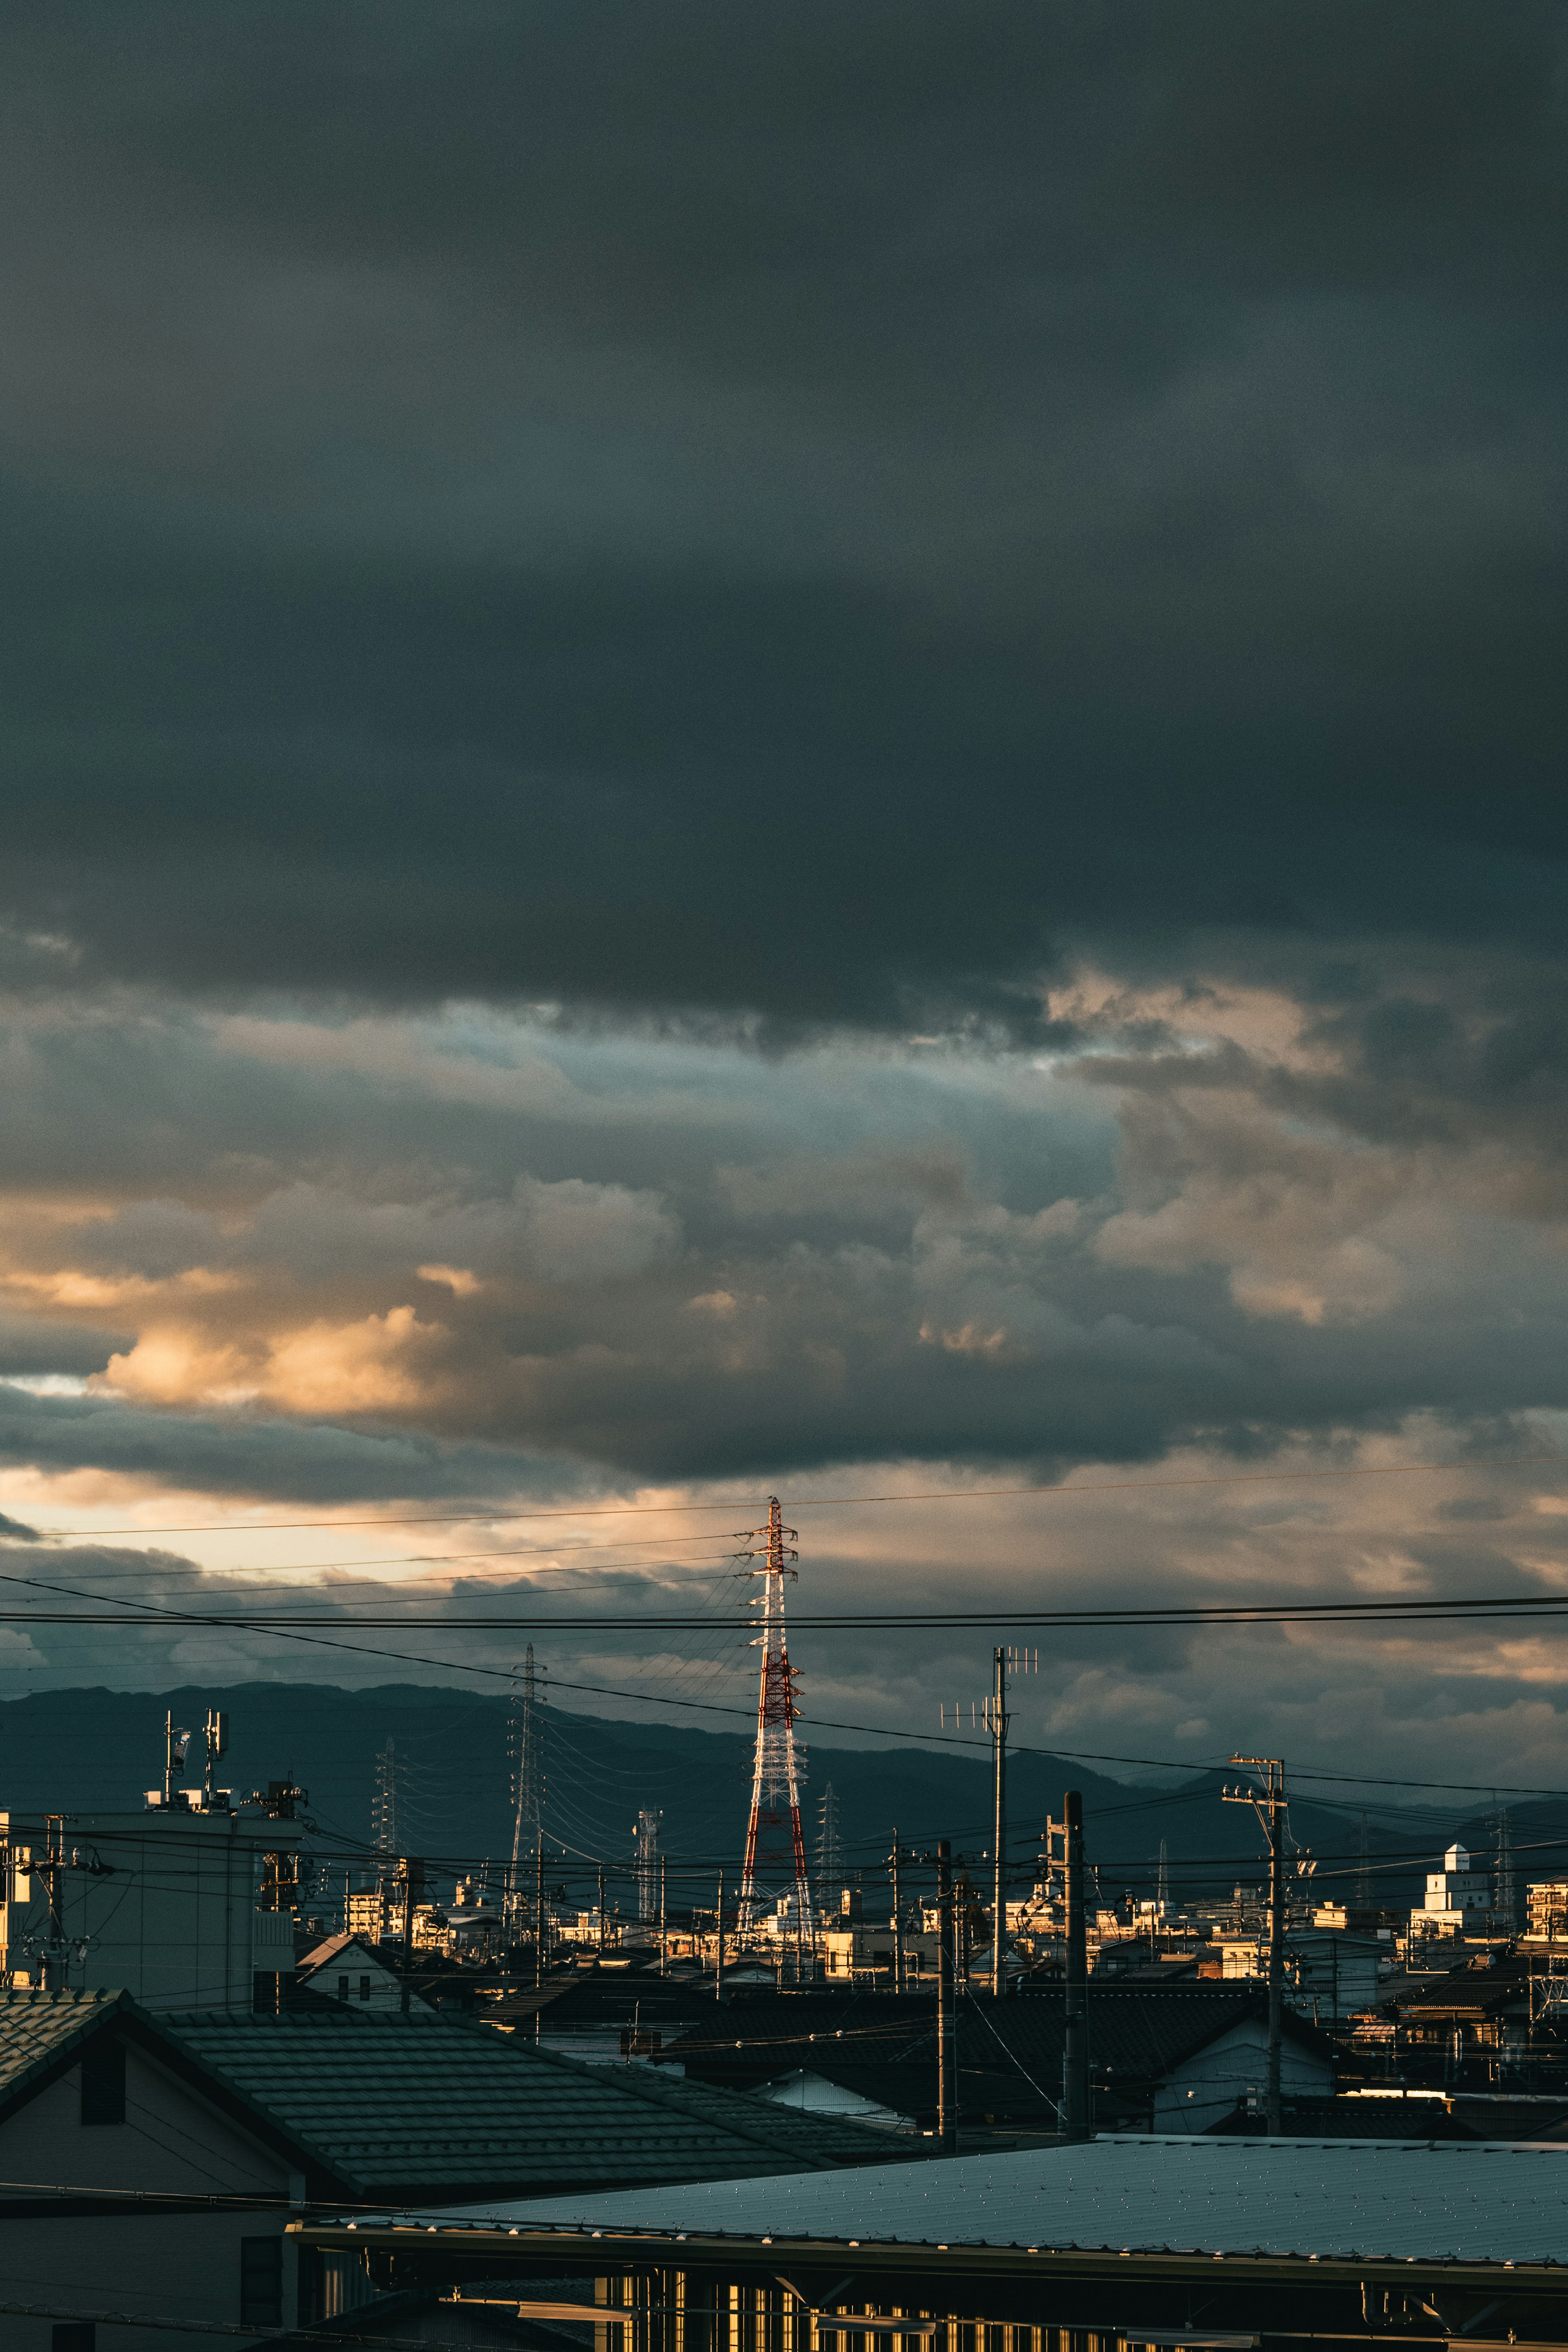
775 1842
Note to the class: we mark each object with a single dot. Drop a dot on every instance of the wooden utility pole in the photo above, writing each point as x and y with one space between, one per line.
1075 2120
998 1711
947 2053
719 1955
1272 1806
602 1910
897 1921
539 1919
663 1891
413 1870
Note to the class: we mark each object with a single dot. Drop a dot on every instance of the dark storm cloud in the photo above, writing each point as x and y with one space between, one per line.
819 512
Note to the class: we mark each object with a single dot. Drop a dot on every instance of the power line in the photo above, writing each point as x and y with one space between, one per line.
830 1502
1171 1616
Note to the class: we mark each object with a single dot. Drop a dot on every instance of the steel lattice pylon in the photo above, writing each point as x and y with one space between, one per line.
775 1842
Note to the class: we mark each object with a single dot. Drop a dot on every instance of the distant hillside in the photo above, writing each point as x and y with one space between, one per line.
77 1749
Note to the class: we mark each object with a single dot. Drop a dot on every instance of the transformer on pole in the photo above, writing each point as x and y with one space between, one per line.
775 1842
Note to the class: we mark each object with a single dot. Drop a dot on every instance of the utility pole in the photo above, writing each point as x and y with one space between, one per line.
602 1910
1075 2019
998 1712
718 1955
539 1921
897 1921
1271 1805
663 1893
413 1880
947 2054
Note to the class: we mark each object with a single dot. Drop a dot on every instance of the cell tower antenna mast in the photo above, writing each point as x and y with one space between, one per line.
775 1842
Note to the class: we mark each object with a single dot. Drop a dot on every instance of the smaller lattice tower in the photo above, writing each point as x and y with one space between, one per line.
1163 1884
1364 1866
775 1842
646 1838
830 1854
383 1808
525 1757
1502 1884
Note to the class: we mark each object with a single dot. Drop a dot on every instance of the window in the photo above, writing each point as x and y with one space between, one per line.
342 1987
364 1988
261 2282
71 2336
103 2080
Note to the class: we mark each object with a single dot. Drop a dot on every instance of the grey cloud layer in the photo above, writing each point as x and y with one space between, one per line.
742 742
486 503
850 1256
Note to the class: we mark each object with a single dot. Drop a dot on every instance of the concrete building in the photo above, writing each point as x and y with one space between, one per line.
163 1903
1457 1898
1546 1909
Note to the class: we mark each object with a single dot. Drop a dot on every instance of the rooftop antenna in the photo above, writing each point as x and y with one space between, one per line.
176 1747
217 1737
776 1772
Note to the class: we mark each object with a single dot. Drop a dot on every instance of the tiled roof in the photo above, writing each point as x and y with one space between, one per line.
38 2029
425 2105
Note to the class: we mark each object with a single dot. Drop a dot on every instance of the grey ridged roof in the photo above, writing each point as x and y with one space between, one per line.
36 2028
423 2104
1487 2202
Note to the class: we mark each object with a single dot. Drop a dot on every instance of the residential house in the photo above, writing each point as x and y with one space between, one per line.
152 2162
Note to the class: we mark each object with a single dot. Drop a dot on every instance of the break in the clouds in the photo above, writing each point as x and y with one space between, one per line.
736 744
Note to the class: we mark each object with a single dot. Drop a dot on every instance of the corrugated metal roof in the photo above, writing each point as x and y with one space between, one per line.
1487 2202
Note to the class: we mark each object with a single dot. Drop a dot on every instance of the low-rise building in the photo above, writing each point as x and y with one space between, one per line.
1214 2241
162 2157
1457 1898
1546 1909
347 1968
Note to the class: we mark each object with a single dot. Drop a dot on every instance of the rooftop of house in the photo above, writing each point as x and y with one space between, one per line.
1373 2200
1008 2053
336 1947
38 2031
420 2100
422 2106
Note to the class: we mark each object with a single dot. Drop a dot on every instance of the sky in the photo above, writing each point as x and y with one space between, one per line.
809 750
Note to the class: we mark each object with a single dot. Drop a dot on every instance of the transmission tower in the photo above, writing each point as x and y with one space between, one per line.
525 1754
647 1836
1163 1884
774 1845
830 1858
1503 1886
383 1808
